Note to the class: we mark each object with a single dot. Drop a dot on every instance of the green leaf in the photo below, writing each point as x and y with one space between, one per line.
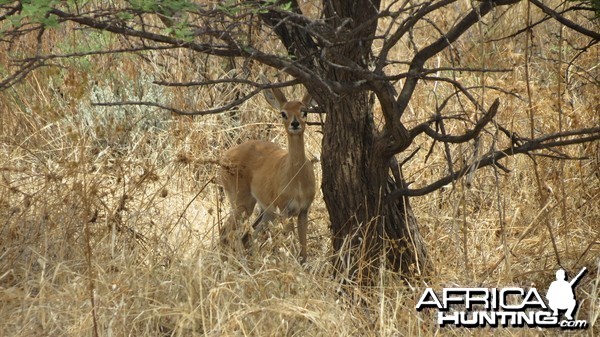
36 11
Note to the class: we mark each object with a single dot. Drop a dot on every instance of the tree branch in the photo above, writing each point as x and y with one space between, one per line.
406 26
232 49
471 134
228 80
433 49
527 147
565 21
21 73
220 109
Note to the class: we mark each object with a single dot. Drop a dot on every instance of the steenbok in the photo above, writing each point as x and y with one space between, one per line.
280 181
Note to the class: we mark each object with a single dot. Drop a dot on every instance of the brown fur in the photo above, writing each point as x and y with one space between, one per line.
263 172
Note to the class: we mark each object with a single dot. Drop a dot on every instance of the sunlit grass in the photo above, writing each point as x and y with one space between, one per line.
118 205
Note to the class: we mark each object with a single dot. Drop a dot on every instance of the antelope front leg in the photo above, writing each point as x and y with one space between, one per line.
302 229
262 222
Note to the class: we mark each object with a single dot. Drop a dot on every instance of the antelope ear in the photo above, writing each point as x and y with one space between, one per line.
307 100
272 97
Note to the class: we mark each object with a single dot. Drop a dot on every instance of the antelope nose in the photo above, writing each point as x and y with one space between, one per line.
295 124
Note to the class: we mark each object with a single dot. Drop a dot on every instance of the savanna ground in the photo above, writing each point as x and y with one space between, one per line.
109 216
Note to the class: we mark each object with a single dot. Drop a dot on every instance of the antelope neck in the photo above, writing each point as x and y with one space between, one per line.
297 157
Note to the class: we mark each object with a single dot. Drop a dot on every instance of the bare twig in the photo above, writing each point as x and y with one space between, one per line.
485 120
220 109
568 23
527 147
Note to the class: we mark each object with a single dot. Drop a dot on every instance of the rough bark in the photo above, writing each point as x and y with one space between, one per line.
352 185
365 226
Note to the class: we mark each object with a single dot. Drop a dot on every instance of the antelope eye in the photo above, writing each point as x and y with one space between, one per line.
304 113
284 115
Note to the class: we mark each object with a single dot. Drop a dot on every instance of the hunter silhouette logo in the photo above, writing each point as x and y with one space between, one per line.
507 307
561 295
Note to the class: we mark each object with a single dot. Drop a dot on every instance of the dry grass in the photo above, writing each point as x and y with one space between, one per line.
110 214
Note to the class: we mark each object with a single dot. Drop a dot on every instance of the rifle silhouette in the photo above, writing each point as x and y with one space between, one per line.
575 279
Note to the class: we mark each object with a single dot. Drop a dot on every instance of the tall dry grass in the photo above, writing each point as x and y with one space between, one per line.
109 216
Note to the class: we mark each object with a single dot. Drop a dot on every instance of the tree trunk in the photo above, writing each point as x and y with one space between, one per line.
364 226
405 249
351 186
